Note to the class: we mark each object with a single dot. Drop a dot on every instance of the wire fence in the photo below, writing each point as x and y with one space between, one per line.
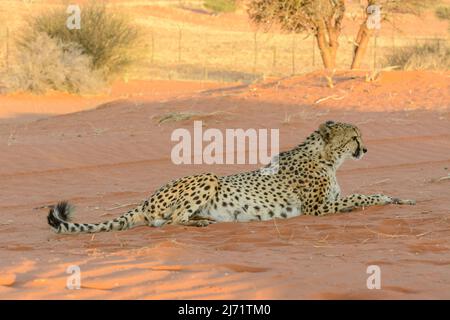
246 56
185 53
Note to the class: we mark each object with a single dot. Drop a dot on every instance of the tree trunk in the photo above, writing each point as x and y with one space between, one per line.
327 52
362 40
333 36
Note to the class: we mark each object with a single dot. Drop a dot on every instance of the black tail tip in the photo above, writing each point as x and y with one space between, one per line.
59 214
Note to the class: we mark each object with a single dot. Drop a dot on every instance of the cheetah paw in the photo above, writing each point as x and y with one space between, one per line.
203 223
390 200
401 201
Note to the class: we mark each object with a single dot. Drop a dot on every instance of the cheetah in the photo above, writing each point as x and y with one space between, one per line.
301 181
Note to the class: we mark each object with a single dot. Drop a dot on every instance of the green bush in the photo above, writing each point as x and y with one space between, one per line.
108 38
46 64
220 5
443 13
432 55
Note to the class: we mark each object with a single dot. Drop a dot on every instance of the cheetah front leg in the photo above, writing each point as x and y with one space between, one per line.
355 201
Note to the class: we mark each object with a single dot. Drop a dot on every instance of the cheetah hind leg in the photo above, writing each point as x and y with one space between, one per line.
199 192
180 217
196 220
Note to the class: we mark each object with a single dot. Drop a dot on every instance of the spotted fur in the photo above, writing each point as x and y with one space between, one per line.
301 181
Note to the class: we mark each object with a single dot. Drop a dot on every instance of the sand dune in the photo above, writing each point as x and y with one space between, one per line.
108 158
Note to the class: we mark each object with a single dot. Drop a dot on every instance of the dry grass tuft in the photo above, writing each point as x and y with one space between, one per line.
181 116
432 55
46 64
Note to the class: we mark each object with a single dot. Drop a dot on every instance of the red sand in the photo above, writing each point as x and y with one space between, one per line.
25 107
118 154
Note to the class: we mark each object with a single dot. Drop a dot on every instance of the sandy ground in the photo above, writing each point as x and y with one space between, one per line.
117 154
20 107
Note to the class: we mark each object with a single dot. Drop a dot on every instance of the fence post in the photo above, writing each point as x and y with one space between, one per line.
233 56
393 34
274 58
7 50
179 43
293 54
375 51
314 51
255 47
153 48
205 59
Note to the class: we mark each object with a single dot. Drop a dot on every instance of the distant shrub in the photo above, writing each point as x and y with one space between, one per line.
110 39
431 55
443 13
47 64
220 5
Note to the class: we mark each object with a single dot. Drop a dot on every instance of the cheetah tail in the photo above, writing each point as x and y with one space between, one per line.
59 219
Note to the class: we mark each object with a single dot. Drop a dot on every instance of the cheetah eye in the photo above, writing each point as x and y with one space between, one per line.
355 138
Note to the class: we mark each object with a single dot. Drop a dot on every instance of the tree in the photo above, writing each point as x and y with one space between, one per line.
322 18
364 33
383 11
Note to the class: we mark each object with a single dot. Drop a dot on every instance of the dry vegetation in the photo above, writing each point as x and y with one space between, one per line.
44 64
186 40
427 56
50 56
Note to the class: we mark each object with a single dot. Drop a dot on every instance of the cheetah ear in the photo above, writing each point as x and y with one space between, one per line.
325 130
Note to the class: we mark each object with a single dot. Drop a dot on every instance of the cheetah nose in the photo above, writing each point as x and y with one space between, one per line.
364 150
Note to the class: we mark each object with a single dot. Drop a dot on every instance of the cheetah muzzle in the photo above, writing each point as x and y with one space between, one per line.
304 182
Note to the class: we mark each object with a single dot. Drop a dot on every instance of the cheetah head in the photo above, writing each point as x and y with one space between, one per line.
342 140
